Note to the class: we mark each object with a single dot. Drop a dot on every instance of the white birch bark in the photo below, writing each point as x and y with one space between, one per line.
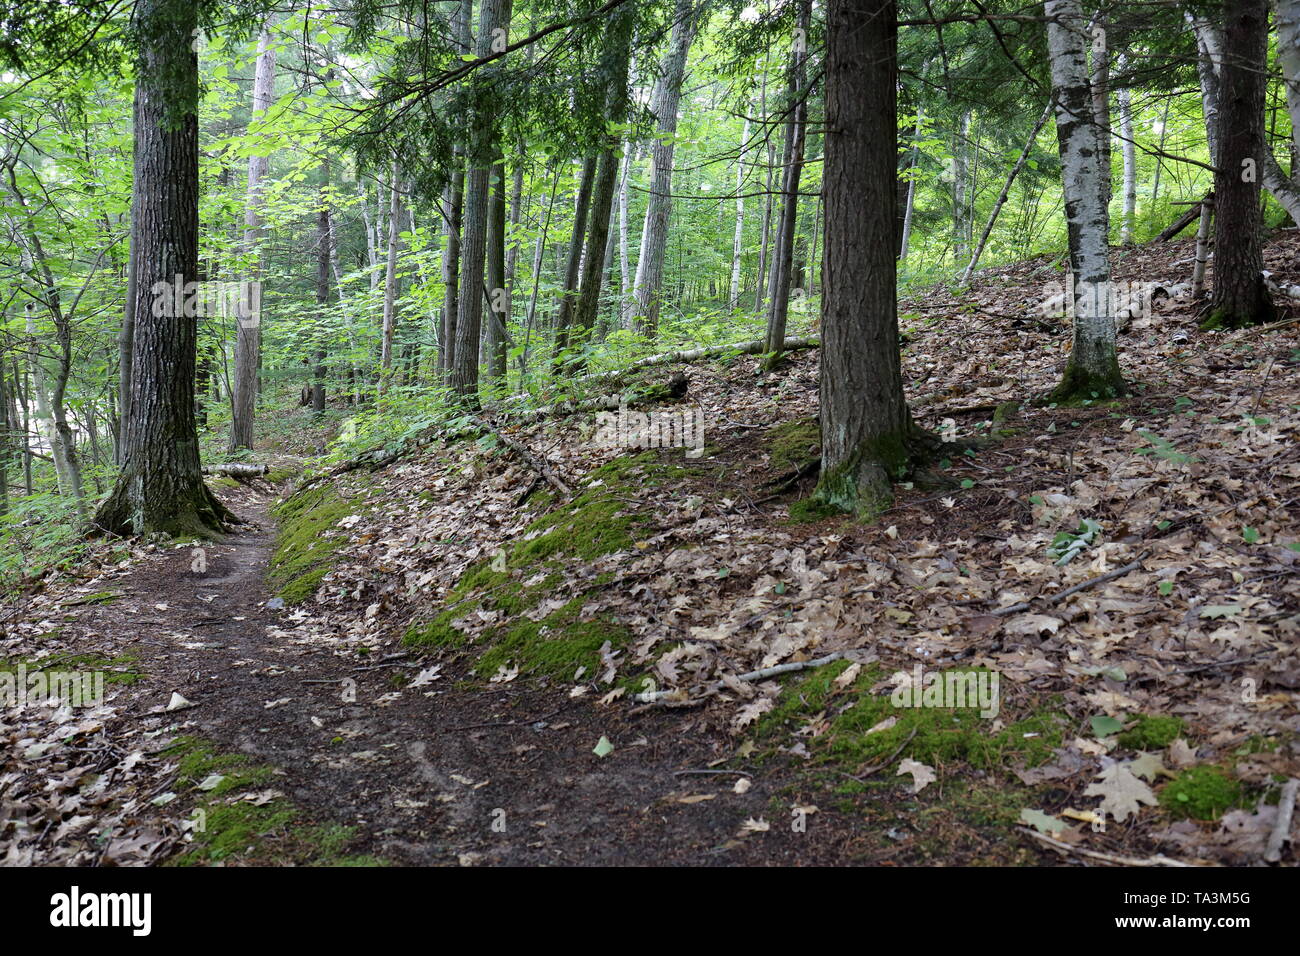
1093 368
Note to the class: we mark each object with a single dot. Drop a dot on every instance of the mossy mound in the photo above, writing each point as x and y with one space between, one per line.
308 539
1152 732
929 734
1201 793
795 445
600 520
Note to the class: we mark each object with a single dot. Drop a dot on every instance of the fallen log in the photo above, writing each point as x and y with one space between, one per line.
1186 219
237 469
755 347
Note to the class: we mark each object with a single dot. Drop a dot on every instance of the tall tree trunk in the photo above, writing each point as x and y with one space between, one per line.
479 155
495 333
248 334
1240 294
573 263
960 184
324 262
1093 368
1286 189
910 204
738 236
867 433
1100 86
1129 150
654 233
390 277
602 204
160 486
783 252
454 210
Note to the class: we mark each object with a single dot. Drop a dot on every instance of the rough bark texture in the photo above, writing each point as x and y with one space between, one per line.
654 232
1240 294
867 433
454 202
160 486
1093 369
783 254
248 337
390 276
324 260
469 318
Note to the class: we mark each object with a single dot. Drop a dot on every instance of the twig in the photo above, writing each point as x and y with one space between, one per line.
888 760
1157 860
1282 825
1060 596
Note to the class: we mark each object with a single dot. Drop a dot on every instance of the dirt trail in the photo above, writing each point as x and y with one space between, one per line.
442 773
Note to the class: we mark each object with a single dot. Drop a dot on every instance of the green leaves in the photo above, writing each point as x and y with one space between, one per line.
1068 545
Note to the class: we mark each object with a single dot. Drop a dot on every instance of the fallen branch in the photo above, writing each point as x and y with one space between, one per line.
1282 825
651 697
1060 596
527 457
1157 860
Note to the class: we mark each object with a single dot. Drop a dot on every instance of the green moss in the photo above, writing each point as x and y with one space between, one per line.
1080 385
556 646
231 829
795 445
598 521
277 475
1152 732
937 734
1201 793
117 670
222 481
308 539
99 597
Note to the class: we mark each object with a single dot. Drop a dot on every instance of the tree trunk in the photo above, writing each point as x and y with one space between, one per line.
390 278
1100 83
1241 296
248 334
573 263
738 236
910 204
654 232
479 150
783 252
324 261
160 486
1093 368
454 205
1129 150
867 433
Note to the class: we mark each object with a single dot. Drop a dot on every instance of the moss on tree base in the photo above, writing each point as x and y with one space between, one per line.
194 512
862 485
1079 385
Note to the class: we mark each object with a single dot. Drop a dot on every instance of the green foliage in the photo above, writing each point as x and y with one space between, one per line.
1201 793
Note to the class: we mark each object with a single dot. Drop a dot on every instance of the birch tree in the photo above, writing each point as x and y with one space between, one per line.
1092 371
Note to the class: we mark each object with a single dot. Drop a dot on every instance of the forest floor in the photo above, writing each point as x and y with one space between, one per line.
439 662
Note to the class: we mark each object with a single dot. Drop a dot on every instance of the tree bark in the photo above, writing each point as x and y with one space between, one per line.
1093 368
389 328
1241 296
248 334
469 309
160 486
783 253
654 232
868 437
